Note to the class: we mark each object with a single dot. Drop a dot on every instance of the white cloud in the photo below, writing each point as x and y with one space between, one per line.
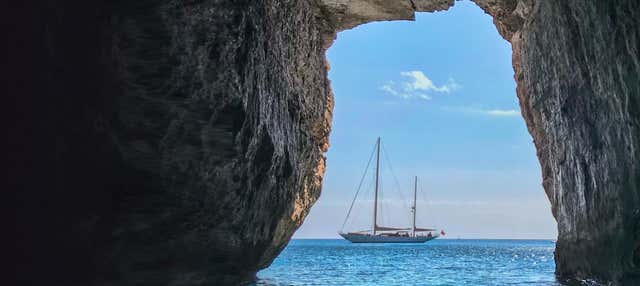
419 81
388 87
418 85
483 111
502 112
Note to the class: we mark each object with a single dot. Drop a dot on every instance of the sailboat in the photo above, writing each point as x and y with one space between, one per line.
384 234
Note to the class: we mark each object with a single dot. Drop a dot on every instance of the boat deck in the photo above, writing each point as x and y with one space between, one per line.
368 238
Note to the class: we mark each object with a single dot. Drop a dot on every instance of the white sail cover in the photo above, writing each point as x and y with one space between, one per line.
386 228
424 229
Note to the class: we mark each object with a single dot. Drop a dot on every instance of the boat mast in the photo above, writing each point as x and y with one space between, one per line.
413 208
375 200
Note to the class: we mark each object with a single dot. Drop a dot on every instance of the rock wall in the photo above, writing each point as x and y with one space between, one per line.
578 73
226 114
167 142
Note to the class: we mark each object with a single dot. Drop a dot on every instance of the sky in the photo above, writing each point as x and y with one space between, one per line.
440 93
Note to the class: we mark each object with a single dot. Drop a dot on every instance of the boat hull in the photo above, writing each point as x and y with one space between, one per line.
367 238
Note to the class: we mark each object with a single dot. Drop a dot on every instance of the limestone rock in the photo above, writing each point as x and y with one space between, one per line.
578 75
182 142
166 142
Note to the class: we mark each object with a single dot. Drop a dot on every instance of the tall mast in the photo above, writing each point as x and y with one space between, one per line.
375 200
415 189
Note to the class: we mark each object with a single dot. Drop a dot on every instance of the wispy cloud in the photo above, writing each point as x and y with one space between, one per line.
420 82
388 87
485 111
418 85
502 112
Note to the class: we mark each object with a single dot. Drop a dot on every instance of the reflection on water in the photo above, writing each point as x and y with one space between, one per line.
439 262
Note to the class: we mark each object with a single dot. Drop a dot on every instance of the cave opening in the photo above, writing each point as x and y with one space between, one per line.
135 134
440 91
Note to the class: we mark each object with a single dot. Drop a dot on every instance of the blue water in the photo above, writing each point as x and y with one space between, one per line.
438 262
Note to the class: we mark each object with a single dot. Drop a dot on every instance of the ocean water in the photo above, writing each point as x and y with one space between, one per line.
438 262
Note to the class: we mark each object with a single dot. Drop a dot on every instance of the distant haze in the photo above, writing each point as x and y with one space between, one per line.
440 92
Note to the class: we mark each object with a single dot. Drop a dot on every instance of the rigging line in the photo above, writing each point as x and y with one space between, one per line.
386 155
359 186
423 199
380 219
369 193
396 181
357 215
427 209
382 202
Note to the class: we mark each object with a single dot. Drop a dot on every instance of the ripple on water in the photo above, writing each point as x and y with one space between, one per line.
439 262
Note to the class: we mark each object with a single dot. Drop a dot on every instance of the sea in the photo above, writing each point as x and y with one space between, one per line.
437 262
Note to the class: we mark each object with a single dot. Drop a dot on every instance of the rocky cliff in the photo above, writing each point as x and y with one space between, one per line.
166 142
577 70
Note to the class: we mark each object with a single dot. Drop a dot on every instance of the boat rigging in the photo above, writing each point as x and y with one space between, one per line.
384 234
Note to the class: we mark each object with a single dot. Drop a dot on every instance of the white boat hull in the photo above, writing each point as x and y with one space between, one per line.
368 238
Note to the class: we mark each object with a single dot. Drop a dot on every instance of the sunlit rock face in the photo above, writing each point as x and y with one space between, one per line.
346 14
181 142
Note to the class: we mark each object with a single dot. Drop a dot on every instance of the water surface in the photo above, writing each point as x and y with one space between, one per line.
438 262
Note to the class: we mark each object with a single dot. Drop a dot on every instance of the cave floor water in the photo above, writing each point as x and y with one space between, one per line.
439 262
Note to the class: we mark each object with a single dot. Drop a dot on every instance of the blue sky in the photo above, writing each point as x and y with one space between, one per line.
440 92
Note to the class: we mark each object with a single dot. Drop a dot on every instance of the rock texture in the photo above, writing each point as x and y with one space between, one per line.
577 68
341 15
166 142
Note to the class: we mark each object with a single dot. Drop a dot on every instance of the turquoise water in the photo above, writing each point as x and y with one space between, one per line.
439 262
